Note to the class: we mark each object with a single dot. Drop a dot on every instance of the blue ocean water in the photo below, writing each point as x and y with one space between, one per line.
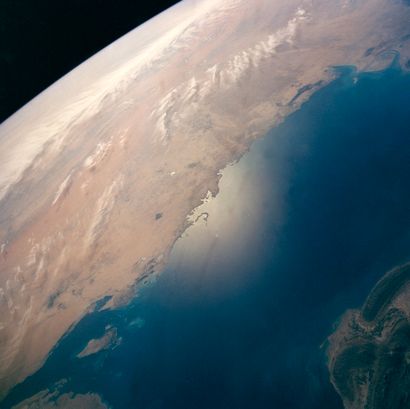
302 228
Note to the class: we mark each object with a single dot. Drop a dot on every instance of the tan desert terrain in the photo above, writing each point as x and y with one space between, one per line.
45 400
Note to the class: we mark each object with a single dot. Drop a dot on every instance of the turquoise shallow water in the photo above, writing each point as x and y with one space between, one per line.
302 228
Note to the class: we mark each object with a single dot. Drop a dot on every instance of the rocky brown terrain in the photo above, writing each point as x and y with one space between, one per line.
369 353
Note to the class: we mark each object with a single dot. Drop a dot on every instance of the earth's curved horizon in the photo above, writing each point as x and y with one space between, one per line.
102 172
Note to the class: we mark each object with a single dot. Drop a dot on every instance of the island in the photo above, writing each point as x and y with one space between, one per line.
108 341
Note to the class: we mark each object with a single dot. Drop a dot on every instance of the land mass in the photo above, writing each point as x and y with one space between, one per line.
369 353
99 173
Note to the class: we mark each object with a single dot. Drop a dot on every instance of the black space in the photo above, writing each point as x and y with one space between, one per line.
41 40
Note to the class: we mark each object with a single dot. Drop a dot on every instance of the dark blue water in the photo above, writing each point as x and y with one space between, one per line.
324 211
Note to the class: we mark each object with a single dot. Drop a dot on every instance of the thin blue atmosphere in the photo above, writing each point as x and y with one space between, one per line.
304 225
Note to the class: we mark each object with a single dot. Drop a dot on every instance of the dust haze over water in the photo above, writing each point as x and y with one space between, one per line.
250 196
